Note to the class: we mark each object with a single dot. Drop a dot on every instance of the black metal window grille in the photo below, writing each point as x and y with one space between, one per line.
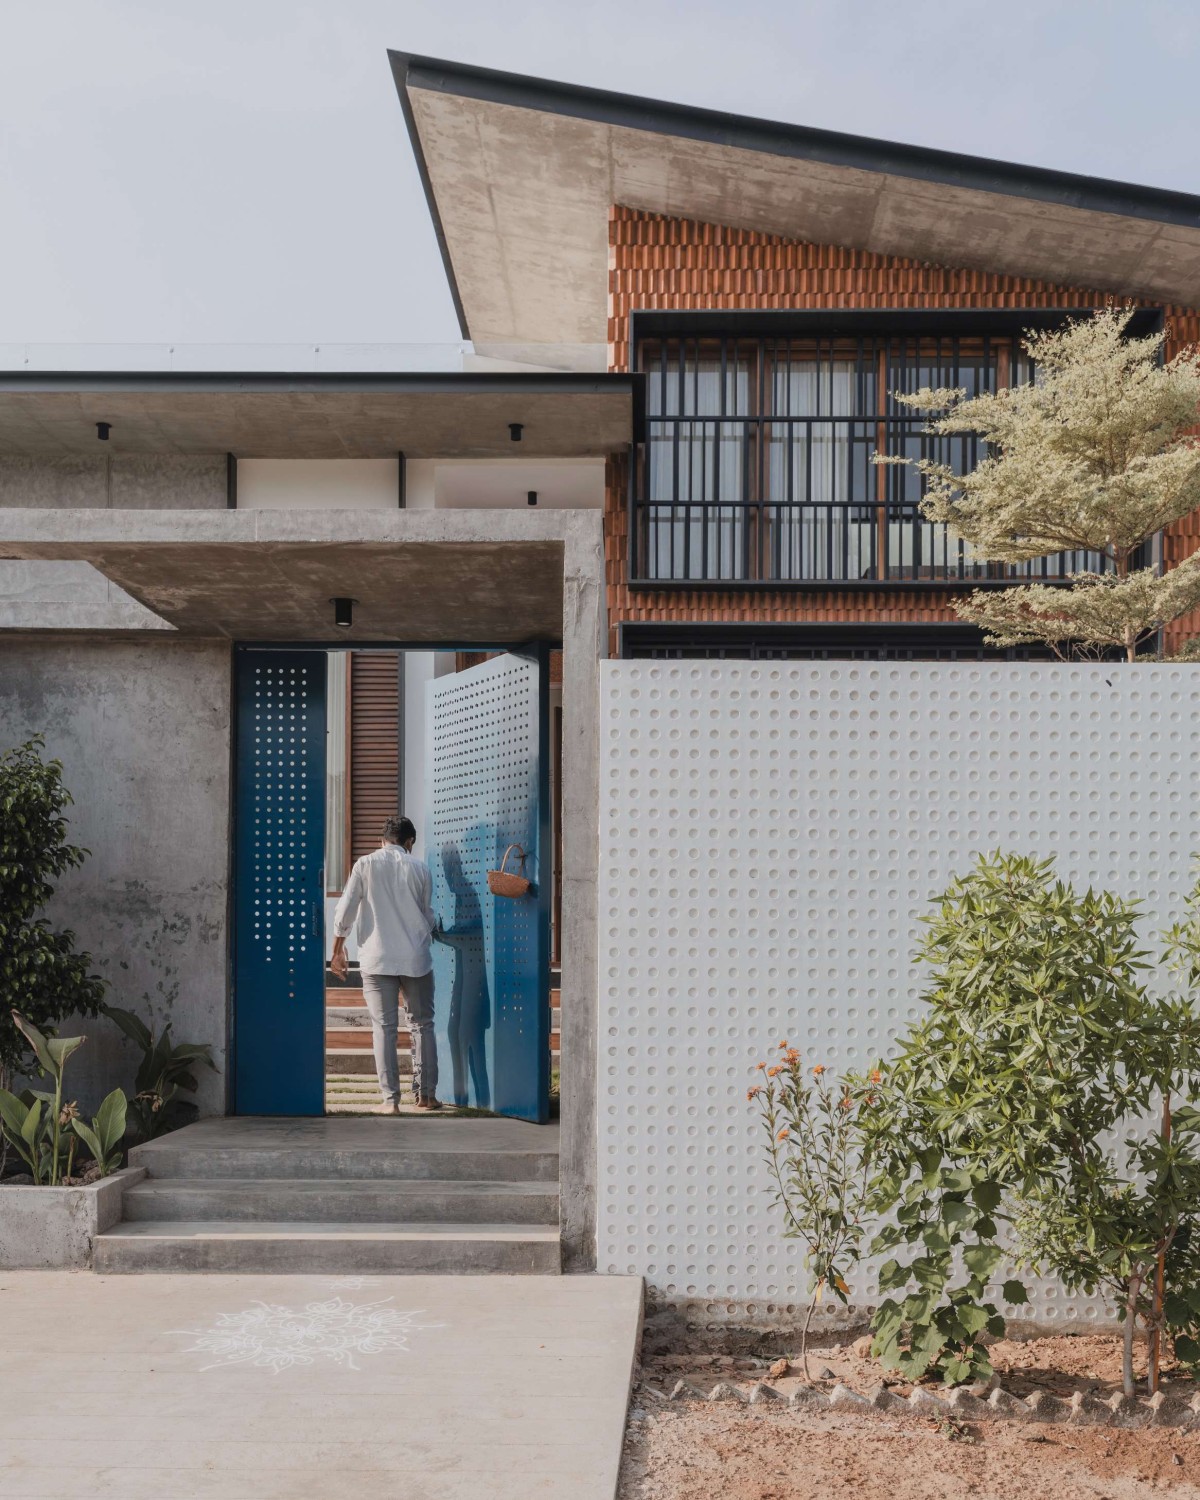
757 468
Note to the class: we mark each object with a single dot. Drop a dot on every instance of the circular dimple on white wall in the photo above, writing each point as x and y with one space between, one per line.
801 879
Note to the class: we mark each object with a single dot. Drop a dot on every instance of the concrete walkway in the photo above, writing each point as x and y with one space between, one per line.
314 1387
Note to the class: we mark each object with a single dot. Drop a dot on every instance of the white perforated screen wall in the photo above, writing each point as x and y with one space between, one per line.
770 835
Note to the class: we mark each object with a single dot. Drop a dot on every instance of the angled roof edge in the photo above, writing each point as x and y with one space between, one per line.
404 382
746 132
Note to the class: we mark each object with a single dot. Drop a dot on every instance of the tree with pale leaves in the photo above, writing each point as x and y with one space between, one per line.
1095 455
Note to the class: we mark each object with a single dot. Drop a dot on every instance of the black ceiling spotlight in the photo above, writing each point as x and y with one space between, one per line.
102 430
343 612
531 497
515 429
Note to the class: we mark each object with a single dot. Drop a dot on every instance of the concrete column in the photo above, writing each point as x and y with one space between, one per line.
584 633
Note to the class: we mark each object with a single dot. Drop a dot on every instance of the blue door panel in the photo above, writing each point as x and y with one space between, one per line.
488 769
279 840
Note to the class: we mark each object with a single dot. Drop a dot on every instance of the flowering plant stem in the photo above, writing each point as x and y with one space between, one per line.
819 1170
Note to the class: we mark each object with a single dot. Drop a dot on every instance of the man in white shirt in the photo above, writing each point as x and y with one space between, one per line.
389 893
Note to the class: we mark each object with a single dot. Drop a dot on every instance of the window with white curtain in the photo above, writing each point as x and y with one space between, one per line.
757 465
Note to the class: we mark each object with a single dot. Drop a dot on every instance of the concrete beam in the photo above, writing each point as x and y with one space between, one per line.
280 416
421 577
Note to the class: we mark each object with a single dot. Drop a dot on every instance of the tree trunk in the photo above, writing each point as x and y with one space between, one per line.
812 1303
1160 1277
1135 1284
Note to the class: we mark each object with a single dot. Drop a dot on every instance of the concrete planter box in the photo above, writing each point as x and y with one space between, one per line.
53 1228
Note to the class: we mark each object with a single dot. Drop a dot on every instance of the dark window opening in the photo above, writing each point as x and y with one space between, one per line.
816 642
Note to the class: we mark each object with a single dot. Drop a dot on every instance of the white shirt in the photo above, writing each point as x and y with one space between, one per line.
389 892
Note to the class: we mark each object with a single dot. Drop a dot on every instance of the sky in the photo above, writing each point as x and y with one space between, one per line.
237 171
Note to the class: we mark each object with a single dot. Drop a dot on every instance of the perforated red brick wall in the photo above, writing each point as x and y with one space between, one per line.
679 264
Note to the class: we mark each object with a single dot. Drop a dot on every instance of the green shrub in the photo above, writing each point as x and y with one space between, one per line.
42 976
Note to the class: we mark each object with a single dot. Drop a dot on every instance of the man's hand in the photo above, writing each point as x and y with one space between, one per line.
339 964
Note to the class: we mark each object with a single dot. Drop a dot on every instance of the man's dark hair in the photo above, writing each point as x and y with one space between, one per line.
399 830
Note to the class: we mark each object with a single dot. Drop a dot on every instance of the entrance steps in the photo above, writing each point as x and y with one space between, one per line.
342 1196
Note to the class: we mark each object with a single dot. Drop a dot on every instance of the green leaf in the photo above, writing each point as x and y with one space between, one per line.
972 1318
110 1119
31 1124
955 1371
892 1275
986 1196
12 1113
982 1260
60 1049
89 1138
954 1212
35 1039
1014 1293
133 1026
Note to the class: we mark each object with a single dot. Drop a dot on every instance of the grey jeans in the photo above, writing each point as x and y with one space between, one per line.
381 992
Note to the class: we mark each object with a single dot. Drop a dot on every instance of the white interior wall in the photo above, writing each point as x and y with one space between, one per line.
318 483
770 835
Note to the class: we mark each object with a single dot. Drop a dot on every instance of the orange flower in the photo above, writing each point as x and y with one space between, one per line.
845 1103
771 1072
875 1076
754 1092
758 1067
783 1134
791 1056
783 1046
818 1070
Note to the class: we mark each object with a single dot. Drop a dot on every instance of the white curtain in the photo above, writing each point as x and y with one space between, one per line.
695 469
822 533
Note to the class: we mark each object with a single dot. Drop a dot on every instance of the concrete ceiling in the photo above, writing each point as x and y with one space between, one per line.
419 577
520 175
297 416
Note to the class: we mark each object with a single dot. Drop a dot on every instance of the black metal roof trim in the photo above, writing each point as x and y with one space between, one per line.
856 322
400 65
469 383
745 132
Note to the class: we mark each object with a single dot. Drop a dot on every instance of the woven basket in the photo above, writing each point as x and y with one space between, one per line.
502 883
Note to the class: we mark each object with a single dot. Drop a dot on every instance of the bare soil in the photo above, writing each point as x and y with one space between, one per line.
696 1451
1060 1365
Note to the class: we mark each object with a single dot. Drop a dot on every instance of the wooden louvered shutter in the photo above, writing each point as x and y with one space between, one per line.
374 746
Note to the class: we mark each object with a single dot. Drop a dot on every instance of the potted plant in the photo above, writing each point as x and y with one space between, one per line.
51 1214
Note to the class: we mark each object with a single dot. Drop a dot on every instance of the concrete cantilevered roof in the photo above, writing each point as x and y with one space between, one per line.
520 173
419 577
306 415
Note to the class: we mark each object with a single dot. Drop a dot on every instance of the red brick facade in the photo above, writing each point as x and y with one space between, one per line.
677 264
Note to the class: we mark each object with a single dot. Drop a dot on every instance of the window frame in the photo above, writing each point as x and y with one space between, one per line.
761 326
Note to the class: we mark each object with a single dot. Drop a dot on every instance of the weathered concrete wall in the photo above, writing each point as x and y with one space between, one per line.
74 596
115 481
142 729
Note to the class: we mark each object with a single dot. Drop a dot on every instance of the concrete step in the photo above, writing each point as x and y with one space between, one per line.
288 1200
349 998
360 1061
341 1040
327 1249
426 1149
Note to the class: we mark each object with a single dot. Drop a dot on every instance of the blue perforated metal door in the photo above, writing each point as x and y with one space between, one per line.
487 755
279 838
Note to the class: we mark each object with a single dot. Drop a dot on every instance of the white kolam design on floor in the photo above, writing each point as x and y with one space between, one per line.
270 1336
770 835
